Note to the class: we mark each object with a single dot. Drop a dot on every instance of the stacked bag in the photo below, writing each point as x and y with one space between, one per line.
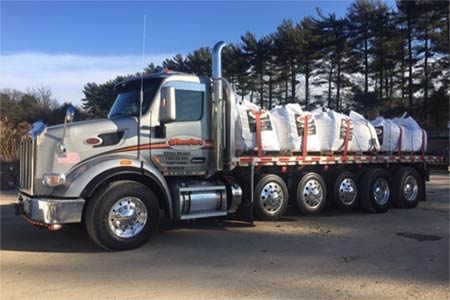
400 134
284 128
290 122
246 139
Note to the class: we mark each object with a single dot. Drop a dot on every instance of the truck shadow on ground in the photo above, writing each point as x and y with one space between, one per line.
18 235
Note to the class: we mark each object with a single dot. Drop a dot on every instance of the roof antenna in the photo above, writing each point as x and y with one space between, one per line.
141 94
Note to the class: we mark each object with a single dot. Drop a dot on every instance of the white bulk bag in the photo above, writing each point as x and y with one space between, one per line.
332 127
289 122
246 128
364 137
388 134
411 134
325 128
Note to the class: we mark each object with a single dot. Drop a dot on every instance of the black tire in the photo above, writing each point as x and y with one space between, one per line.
402 177
268 207
311 181
345 183
367 182
98 209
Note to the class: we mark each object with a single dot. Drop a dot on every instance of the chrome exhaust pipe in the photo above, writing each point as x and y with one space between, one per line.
218 128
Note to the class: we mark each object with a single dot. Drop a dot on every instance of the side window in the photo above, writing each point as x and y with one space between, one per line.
189 105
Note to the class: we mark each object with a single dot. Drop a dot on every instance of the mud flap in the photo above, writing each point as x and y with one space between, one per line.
245 211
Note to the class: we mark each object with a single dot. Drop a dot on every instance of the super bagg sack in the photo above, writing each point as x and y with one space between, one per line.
332 128
246 138
335 128
290 122
364 134
388 134
414 138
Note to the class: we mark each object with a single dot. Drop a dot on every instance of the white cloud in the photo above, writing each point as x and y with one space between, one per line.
66 74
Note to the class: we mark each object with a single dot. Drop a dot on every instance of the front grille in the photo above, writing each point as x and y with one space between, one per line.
27 149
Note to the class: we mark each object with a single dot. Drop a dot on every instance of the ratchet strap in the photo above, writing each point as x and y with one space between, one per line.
258 132
347 136
400 142
422 148
305 136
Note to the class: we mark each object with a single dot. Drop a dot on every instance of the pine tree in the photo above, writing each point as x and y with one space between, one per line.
309 52
361 17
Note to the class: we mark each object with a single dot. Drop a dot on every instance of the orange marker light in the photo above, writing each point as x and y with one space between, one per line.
125 162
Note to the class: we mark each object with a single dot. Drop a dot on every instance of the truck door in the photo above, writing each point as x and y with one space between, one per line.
187 139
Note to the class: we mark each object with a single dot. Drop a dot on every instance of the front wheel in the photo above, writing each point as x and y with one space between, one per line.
123 215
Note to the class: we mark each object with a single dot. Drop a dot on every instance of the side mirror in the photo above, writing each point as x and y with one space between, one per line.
70 113
167 105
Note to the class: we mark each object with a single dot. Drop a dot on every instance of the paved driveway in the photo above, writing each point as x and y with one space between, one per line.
400 254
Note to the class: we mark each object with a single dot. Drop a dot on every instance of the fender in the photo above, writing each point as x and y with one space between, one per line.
84 179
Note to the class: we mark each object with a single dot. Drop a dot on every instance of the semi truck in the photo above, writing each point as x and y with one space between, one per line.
167 148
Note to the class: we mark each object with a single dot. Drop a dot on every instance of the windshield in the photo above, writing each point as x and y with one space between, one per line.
127 100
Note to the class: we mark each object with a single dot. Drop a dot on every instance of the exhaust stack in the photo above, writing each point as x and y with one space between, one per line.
217 120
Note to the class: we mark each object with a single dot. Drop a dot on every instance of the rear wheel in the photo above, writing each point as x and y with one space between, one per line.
345 190
375 191
311 194
407 188
271 198
122 216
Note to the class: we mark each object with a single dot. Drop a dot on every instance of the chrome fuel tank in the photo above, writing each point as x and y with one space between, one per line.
199 199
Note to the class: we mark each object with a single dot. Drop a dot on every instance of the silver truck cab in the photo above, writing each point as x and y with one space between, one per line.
155 151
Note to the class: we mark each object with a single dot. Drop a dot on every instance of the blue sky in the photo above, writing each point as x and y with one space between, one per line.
63 45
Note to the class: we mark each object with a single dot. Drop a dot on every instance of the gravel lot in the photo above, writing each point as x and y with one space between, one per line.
398 255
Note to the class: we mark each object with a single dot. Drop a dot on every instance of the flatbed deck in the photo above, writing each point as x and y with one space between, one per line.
248 160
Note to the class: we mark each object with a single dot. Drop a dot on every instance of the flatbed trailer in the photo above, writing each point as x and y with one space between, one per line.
168 147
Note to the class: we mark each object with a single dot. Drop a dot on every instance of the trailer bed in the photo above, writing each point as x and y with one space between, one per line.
265 160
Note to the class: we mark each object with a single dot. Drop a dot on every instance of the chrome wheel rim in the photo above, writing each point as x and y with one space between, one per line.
272 198
411 188
347 191
313 193
381 191
127 217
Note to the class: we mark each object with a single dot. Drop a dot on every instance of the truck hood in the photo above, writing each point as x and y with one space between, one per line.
113 134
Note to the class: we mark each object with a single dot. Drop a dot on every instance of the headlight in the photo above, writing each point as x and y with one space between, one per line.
53 179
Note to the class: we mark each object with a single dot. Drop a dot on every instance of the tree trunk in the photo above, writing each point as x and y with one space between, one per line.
330 75
261 86
386 85
286 91
391 90
293 83
366 66
410 62
381 68
425 71
338 84
403 70
270 90
307 86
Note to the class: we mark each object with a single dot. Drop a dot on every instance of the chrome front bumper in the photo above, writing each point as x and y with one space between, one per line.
50 211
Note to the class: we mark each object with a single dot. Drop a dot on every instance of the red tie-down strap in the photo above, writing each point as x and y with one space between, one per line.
305 136
347 123
400 143
422 148
258 132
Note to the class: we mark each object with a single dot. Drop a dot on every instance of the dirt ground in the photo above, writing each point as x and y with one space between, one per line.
337 255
